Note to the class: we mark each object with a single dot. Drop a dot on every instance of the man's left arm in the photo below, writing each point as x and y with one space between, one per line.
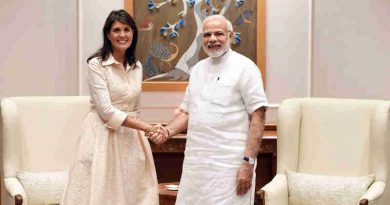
256 129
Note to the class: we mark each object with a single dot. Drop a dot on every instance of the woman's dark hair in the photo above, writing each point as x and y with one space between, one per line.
123 17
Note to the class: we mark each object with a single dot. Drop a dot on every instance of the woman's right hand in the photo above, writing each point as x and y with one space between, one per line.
158 134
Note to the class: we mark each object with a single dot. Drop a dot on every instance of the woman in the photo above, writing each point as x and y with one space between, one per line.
114 164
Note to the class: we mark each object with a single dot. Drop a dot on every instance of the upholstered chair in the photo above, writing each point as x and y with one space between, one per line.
330 151
39 140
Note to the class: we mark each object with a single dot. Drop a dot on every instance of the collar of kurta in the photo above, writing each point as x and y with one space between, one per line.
222 58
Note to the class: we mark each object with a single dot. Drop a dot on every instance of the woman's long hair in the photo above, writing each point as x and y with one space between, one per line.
123 17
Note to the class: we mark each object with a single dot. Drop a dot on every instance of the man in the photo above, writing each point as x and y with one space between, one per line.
224 110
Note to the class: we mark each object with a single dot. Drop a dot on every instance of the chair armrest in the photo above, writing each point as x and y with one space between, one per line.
374 192
15 189
275 192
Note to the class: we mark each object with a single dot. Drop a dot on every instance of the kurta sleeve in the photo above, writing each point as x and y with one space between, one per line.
97 83
184 104
252 90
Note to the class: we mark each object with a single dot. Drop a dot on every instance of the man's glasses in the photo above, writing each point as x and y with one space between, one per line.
217 34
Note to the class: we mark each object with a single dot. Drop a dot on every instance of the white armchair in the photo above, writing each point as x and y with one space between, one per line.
40 136
329 140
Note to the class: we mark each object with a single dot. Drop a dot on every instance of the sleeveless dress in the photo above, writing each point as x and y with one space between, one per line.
114 164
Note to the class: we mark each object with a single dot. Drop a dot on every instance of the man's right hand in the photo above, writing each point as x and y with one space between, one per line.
158 134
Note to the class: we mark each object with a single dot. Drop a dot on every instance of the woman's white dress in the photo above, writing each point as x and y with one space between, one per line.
114 164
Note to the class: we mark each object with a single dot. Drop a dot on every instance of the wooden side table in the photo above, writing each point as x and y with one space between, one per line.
166 196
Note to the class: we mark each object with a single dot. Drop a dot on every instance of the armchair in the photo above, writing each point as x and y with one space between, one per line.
39 140
324 139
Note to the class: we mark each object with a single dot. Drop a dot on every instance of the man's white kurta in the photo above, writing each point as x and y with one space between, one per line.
221 95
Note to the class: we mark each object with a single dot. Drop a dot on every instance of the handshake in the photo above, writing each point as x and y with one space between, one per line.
158 134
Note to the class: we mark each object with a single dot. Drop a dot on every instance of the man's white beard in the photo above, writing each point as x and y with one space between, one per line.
217 53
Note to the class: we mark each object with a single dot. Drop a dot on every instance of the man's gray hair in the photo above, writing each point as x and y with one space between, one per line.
219 17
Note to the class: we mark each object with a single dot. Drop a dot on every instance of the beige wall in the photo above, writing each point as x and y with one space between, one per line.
38 52
287 49
351 49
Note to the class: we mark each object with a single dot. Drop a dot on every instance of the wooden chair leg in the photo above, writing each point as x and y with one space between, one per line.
363 202
18 200
260 197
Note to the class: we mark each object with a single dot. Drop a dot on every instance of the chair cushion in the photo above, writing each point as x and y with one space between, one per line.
311 189
43 187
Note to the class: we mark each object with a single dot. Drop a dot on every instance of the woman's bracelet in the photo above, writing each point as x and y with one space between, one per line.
169 135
